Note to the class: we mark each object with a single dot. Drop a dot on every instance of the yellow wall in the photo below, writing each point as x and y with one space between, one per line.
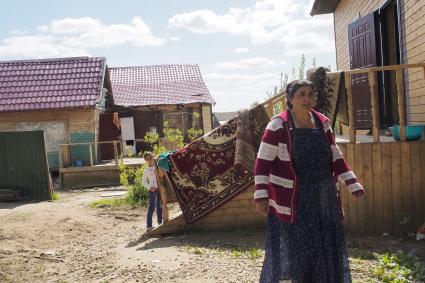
413 38
76 121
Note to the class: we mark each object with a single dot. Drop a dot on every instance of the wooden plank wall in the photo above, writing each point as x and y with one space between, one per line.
393 175
76 120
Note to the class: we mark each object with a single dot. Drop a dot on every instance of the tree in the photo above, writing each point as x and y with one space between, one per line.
284 78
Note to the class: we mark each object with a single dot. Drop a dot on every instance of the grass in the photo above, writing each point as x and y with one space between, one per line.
55 196
253 253
110 203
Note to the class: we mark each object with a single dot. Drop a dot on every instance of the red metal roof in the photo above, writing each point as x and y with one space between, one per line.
158 85
50 83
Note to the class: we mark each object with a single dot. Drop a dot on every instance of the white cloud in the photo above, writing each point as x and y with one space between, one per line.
74 25
37 47
75 36
267 21
96 34
18 32
239 89
242 50
311 35
258 62
256 22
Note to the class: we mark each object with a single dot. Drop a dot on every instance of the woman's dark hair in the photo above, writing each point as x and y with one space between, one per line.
292 87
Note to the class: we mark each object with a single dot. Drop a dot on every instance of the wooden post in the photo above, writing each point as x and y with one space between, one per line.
160 176
122 151
66 156
375 105
352 131
116 153
401 107
60 157
91 155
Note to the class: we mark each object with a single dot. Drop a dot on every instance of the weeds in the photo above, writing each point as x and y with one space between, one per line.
131 177
398 268
55 196
255 253
103 203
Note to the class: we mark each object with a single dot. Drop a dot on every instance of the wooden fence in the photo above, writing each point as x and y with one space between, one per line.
373 82
393 175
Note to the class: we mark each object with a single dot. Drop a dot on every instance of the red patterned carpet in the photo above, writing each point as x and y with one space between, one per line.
213 169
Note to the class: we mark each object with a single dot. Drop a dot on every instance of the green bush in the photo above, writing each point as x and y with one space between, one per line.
138 195
130 177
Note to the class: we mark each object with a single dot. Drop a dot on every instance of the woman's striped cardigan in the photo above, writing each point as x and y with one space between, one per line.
275 177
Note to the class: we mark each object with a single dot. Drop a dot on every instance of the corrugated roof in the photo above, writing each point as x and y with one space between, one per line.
158 85
50 83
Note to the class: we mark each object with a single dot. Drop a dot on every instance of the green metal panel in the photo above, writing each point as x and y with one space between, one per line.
4 173
23 164
81 152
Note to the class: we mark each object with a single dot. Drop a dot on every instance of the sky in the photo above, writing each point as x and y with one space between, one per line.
241 47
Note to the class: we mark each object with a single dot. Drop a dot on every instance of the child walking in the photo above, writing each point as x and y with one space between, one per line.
150 182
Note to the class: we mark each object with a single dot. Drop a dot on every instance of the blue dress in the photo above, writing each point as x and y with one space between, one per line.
313 249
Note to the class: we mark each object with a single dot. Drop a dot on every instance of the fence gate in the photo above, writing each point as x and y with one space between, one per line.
23 165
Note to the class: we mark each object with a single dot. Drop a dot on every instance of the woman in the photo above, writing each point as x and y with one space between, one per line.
297 166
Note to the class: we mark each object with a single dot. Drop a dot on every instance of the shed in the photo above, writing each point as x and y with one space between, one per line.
61 96
146 96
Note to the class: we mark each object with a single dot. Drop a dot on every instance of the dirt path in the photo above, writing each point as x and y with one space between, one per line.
66 241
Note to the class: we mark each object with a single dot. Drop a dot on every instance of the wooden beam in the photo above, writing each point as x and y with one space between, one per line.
116 153
375 105
60 157
385 68
351 130
66 156
160 177
401 107
91 155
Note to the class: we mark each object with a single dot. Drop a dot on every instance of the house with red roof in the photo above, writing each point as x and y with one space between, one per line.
63 97
147 96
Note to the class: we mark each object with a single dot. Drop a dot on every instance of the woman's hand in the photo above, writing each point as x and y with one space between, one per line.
359 194
262 206
153 189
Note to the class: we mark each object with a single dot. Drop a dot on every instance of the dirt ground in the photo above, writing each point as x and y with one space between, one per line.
67 241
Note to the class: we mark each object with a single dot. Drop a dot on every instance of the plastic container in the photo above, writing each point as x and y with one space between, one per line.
78 163
413 132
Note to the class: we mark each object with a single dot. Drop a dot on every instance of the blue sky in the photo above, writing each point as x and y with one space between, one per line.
240 46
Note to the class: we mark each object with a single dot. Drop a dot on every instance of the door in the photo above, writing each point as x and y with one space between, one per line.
127 135
108 131
390 55
363 54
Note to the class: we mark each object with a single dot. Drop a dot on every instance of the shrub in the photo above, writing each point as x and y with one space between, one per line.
131 177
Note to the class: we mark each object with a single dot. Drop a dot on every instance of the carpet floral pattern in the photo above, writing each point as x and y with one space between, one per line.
205 174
